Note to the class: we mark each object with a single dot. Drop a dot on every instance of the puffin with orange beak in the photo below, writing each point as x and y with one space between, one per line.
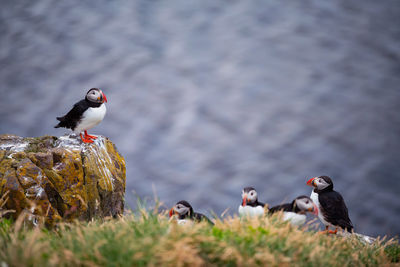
184 213
295 212
85 114
250 205
332 210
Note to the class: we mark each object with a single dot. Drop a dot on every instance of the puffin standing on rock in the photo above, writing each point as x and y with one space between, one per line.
85 114
185 213
332 210
250 205
295 211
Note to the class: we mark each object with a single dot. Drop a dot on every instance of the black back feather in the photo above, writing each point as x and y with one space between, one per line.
198 217
334 209
282 207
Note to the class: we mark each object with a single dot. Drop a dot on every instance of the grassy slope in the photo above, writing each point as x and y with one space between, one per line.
150 239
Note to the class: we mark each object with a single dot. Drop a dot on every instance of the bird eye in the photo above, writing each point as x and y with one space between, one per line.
307 202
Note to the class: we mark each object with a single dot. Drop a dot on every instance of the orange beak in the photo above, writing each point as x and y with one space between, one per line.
244 200
171 212
311 181
104 97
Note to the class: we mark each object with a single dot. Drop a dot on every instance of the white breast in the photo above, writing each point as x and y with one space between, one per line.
90 118
314 198
294 218
185 222
248 211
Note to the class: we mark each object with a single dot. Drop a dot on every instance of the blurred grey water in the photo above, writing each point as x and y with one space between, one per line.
206 97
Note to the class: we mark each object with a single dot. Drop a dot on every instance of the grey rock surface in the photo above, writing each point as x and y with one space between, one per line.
206 97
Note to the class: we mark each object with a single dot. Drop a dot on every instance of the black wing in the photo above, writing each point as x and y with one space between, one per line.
255 204
283 207
71 119
201 217
260 204
334 210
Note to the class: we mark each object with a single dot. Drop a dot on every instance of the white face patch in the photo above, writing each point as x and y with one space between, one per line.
95 96
321 183
251 196
181 209
305 204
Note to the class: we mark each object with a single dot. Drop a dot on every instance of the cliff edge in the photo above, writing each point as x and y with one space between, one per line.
50 179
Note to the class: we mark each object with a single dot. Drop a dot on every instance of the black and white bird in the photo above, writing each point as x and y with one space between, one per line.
332 210
185 214
85 114
295 212
250 205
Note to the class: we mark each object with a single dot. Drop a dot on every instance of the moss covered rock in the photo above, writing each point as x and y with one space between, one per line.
51 179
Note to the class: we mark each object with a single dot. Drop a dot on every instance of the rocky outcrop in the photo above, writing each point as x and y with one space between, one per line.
51 179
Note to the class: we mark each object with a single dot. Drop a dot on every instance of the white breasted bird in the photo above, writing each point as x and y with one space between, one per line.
85 114
295 212
332 210
250 205
184 212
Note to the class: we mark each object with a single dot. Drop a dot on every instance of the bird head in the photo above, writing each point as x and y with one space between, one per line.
95 95
321 182
305 204
249 195
182 209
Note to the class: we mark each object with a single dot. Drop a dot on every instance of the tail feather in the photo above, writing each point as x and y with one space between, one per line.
61 119
346 225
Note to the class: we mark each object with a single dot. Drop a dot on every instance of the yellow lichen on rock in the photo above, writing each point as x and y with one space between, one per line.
105 171
67 178
61 178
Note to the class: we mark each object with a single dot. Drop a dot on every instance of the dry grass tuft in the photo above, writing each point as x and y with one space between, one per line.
151 239
3 200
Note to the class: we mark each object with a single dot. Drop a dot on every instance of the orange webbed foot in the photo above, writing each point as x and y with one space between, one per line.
332 232
324 232
86 140
91 136
88 136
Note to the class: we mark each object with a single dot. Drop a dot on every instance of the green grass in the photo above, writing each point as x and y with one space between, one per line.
151 239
